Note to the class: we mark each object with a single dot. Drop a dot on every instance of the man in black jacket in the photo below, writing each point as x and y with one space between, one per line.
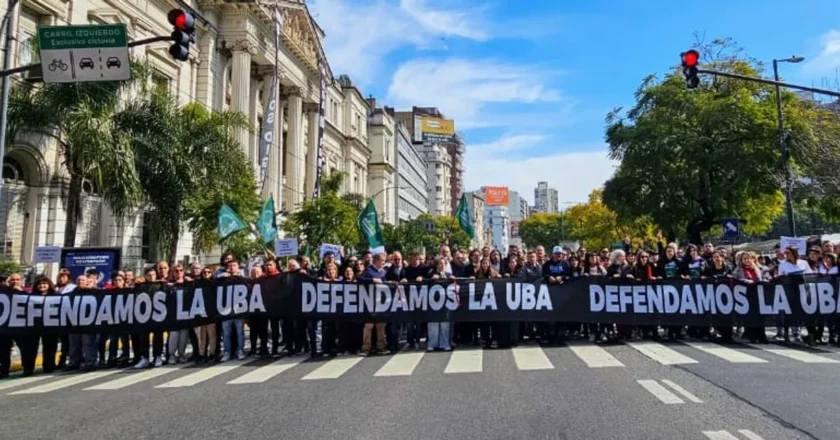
415 272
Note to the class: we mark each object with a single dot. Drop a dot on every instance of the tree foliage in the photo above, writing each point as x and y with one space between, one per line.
415 235
327 219
81 119
597 226
543 229
691 157
188 164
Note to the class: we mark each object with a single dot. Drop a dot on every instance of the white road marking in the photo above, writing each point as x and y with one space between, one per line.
797 355
11 383
401 364
660 392
201 375
531 358
266 372
725 353
683 391
333 369
129 379
595 356
750 435
64 383
465 361
719 435
661 353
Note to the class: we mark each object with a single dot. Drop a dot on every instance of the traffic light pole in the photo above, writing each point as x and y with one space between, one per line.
770 82
785 150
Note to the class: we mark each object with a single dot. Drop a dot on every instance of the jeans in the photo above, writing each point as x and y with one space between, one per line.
239 326
438 336
178 343
83 348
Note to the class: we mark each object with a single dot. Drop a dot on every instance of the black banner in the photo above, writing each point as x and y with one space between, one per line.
805 300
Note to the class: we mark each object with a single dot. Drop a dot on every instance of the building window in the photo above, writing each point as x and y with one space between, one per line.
437 166
12 171
160 81
438 189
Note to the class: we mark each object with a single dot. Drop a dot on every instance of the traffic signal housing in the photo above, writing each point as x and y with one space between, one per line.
182 35
689 64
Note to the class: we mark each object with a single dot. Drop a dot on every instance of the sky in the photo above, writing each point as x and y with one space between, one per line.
529 83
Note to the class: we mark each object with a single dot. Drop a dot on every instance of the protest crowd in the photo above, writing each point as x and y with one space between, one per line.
225 340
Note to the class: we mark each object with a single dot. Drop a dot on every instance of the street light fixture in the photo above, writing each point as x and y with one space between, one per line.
783 143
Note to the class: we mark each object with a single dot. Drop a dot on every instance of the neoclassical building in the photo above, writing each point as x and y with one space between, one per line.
230 66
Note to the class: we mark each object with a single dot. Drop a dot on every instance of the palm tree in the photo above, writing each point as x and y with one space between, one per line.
80 117
188 164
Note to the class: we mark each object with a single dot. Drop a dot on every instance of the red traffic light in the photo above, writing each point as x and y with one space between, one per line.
181 20
690 58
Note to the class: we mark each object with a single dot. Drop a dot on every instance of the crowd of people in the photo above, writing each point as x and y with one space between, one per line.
222 341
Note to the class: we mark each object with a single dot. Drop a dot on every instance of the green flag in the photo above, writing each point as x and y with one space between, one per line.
464 217
266 224
368 222
229 222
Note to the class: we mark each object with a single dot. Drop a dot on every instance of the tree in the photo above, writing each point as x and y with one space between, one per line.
414 235
326 219
691 157
542 229
597 226
80 117
189 164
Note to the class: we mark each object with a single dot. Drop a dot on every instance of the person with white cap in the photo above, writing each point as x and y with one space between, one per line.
557 268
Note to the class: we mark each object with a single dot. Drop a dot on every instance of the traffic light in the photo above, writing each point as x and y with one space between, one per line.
182 35
689 65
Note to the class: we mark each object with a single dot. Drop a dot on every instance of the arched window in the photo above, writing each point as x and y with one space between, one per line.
13 171
89 188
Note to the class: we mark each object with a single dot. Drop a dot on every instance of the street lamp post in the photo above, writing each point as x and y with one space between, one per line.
783 144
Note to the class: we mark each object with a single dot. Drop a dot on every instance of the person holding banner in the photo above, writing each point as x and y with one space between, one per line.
329 328
230 325
438 332
206 333
748 272
28 348
49 339
375 273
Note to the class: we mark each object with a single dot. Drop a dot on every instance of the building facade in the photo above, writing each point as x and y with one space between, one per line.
438 168
497 220
545 198
483 234
231 66
518 207
382 177
451 142
412 192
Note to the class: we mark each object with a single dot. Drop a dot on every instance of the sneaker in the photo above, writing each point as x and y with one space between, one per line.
363 354
144 363
158 362
240 355
225 357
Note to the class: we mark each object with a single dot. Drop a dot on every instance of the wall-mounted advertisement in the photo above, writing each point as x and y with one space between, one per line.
436 129
496 196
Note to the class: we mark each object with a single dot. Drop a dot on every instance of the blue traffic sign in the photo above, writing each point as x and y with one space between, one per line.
731 228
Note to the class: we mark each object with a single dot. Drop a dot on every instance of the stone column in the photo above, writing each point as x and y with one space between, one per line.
294 151
312 148
240 87
206 83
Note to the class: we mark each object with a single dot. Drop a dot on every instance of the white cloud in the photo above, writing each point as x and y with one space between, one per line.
829 56
461 87
360 33
573 174
508 144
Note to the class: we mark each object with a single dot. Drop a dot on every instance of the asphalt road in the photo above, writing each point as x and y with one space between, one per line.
576 391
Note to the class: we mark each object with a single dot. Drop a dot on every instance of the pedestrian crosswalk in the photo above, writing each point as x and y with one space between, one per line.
528 359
